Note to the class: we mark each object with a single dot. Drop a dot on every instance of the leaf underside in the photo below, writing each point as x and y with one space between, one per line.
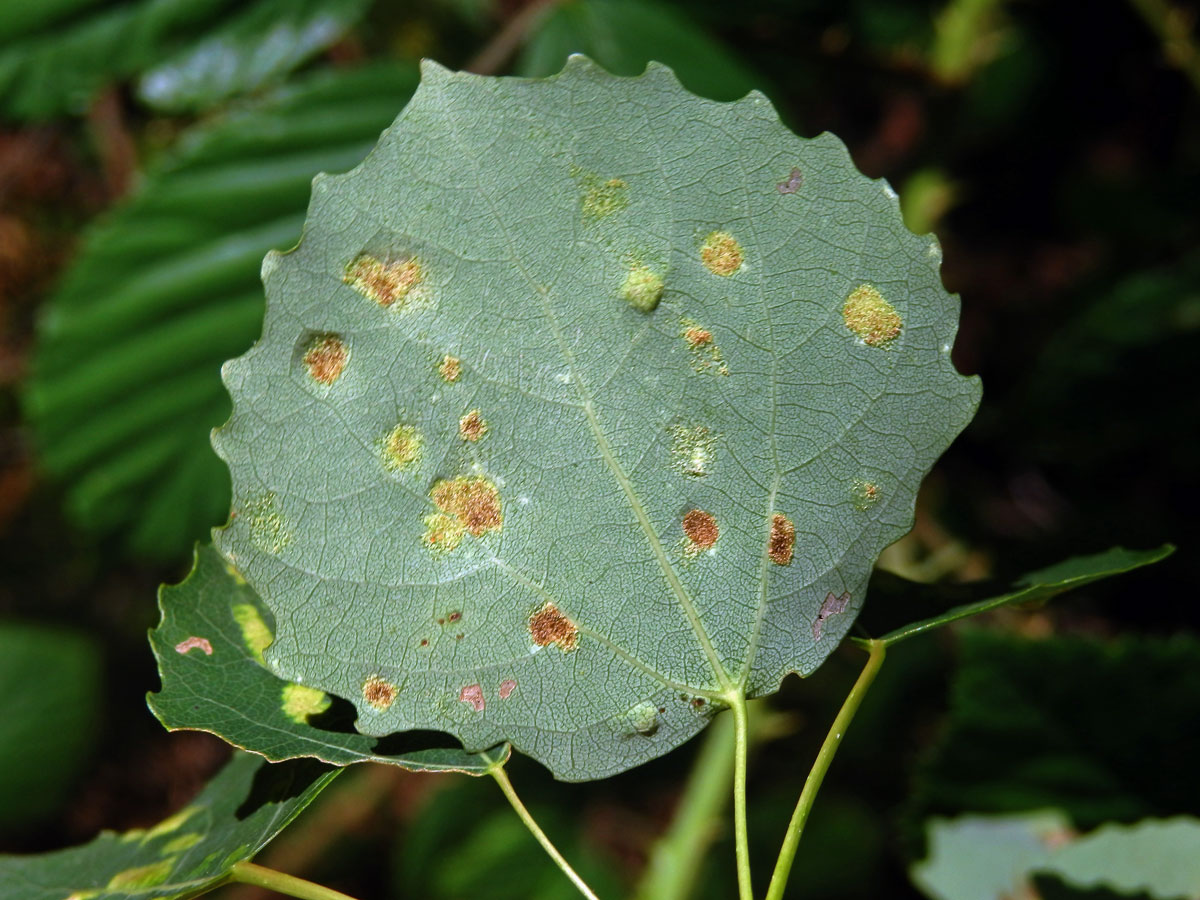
583 403
236 815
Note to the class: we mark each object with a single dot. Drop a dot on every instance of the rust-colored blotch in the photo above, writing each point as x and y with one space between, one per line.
474 502
379 693
507 686
549 626
326 358
783 540
385 282
721 253
871 317
701 529
472 426
697 337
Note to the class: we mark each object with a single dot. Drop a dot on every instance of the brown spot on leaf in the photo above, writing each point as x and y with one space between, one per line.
701 529
506 688
549 626
192 643
472 426
872 318
424 642
384 282
453 617
472 503
450 368
378 692
783 539
832 605
326 358
721 253
792 183
473 694
706 355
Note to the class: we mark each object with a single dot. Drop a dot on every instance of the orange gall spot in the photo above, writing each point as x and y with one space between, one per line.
326 358
721 253
697 337
465 505
783 540
384 282
379 693
701 529
472 426
549 626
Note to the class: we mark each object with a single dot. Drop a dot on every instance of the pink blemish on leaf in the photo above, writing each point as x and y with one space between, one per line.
473 694
792 184
506 688
831 607
192 643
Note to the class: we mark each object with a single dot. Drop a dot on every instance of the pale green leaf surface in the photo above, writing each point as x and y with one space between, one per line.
1043 585
993 857
213 624
44 669
125 385
236 815
494 186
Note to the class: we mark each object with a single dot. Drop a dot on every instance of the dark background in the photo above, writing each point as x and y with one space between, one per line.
1054 148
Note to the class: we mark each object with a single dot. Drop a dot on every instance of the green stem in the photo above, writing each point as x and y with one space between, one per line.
497 772
812 784
261 876
741 744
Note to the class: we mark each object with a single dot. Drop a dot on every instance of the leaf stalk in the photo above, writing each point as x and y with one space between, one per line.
741 746
498 773
289 885
808 795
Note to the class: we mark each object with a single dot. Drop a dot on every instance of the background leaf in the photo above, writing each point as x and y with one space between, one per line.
235 816
52 685
125 386
991 858
623 36
55 56
209 649
1038 586
1027 730
581 532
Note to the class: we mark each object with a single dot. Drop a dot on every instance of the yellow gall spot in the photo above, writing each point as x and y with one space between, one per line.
169 824
601 198
181 843
268 532
255 632
326 358
143 876
865 494
549 626
472 426
643 288
783 540
401 448
693 450
450 368
872 318
299 701
385 282
701 530
443 532
379 693
721 253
